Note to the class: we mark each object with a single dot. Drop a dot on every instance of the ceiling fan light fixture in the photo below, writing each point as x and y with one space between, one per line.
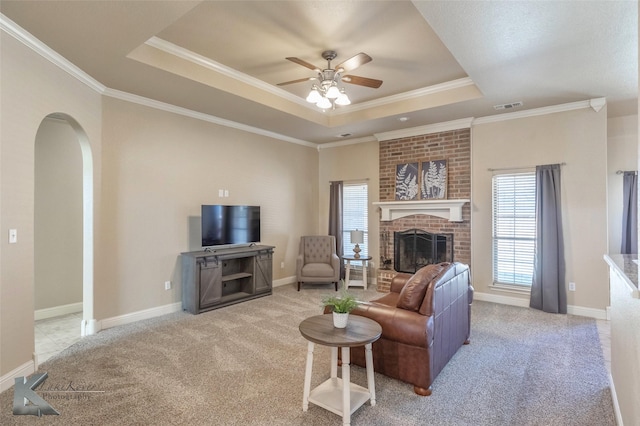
314 95
327 92
324 103
343 99
333 92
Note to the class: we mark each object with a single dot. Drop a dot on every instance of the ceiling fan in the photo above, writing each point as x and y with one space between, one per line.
327 93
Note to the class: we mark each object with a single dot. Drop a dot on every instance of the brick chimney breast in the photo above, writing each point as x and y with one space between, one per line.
453 146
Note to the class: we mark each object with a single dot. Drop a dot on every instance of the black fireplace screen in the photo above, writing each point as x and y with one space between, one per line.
415 248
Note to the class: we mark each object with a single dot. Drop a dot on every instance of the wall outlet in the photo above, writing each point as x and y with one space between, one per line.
13 236
572 286
281 265
220 193
167 285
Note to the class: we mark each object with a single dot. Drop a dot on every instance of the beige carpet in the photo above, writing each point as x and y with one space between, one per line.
244 365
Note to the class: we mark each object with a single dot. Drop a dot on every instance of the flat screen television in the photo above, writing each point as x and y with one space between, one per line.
223 225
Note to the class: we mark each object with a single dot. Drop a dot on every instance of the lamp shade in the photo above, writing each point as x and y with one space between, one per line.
333 92
314 95
343 99
357 237
324 103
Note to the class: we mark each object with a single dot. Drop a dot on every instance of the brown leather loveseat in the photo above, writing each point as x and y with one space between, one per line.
425 319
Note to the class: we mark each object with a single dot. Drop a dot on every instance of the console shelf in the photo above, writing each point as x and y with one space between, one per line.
235 276
219 277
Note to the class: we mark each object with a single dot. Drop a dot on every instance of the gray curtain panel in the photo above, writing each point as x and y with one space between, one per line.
630 213
335 219
548 289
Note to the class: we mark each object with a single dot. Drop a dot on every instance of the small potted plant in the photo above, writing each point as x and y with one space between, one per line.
341 307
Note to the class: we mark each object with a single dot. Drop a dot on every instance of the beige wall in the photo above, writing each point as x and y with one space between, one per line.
622 154
31 88
352 163
625 333
159 168
578 138
58 216
625 348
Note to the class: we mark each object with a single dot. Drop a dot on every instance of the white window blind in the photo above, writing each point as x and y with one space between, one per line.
355 216
514 228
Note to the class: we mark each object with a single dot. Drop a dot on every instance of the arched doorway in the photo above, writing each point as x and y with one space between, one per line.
64 234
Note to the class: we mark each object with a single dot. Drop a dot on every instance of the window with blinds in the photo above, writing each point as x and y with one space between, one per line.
355 216
514 228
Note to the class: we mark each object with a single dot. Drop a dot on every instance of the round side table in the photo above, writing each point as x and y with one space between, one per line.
339 395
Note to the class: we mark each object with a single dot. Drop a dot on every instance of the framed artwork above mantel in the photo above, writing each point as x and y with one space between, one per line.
426 180
433 182
407 176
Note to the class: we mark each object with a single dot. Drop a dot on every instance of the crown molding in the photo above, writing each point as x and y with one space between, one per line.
353 141
596 104
463 123
406 96
30 41
140 100
208 63
26 38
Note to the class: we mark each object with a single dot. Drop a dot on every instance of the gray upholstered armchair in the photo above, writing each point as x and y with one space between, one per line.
317 260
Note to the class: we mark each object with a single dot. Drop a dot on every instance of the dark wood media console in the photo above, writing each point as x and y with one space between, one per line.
221 277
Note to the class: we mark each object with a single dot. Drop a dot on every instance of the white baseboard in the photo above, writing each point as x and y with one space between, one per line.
600 314
57 311
28 368
614 398
284 281
503 300
524 303
8 380
140 315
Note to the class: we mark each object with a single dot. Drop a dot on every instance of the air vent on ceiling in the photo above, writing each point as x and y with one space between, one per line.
507 106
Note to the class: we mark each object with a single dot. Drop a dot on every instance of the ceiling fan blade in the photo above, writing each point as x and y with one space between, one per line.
362 81
354 62
300 80
303 63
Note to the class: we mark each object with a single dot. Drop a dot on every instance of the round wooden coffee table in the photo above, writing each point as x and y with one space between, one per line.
339 395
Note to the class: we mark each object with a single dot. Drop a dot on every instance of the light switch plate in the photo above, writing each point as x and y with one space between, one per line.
13 236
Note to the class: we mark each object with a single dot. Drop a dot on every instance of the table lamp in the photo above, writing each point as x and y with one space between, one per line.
357 237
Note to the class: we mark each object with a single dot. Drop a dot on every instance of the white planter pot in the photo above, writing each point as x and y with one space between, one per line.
340 320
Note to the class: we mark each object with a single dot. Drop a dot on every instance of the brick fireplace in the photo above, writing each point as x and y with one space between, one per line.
453 146
415 248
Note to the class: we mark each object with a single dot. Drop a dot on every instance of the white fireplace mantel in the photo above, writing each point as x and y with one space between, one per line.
447 209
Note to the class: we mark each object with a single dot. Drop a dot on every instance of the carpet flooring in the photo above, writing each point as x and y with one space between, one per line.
244 365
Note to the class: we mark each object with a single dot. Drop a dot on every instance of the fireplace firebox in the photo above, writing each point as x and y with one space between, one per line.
416 248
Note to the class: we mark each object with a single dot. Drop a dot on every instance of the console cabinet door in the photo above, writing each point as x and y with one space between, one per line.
263 273
210 283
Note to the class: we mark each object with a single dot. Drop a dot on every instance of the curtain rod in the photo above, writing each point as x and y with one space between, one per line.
619 172
350 181
517 168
